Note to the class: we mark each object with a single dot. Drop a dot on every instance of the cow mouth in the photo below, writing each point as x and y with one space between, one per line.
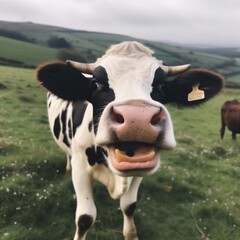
129 156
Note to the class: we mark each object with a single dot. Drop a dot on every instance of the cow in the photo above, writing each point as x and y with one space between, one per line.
230 118
113 123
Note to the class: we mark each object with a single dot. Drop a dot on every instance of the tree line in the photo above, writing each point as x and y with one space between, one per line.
15 35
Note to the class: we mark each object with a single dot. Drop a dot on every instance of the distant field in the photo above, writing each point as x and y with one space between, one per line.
195 195
25 53
92 45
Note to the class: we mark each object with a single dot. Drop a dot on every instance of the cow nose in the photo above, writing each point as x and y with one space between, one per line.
137 123
122 114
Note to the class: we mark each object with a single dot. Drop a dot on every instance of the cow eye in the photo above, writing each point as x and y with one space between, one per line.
101 77
103 87
96 84
93 84
159 91
158 79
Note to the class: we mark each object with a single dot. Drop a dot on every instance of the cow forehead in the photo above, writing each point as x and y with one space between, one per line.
128 75
120 65
130 70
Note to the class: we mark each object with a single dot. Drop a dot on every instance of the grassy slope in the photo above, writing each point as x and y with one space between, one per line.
197 187
27 53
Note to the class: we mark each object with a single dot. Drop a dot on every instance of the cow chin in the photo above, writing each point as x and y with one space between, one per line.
133 158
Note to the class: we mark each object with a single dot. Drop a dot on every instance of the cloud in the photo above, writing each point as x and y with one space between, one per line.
212 22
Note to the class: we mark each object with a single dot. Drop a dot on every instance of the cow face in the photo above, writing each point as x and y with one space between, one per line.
128 90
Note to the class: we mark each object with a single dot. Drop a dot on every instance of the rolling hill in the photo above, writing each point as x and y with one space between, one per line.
91 45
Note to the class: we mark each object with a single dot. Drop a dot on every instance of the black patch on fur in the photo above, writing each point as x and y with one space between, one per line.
102 95
70 134
84 223
96 155
79 108
64 81
48 96
100 99
70 84
158 85
90 126
57 127
158 77
130 209
101 77
64 128
177 90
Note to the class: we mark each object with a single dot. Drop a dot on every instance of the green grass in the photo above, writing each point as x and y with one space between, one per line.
25 53
195 193
234 79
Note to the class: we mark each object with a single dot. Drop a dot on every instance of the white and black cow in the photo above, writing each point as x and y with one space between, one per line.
113 124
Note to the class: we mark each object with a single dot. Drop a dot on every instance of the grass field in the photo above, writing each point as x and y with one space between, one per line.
195 195
25 53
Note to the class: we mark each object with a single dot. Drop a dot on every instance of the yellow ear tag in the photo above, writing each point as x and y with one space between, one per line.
196 94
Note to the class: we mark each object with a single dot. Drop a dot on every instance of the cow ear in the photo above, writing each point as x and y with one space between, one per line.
64 81
193 87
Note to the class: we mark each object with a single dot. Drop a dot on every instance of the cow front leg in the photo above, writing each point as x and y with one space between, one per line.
128 204
68 166
86 210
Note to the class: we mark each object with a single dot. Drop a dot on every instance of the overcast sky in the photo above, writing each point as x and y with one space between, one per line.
204 22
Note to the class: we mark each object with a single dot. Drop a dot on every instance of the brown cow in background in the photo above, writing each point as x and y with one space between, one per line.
230 115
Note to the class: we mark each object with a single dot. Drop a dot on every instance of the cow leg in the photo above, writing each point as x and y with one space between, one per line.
128 204
222 131
234 136
68 166
86 210
223 125
115 184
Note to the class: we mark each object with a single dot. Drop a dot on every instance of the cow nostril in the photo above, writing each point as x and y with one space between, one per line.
156 119
118 118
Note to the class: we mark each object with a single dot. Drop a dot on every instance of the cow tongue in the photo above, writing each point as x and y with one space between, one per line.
133 152
133 156
121 156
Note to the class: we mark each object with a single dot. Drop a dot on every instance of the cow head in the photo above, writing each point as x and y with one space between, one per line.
128 88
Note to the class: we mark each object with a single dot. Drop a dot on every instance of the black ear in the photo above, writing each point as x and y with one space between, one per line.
193 87
64 81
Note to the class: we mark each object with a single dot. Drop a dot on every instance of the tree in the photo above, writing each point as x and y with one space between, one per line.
56 42
65 54
14 35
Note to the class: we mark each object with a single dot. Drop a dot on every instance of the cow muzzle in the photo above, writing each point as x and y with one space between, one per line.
137 128
137 123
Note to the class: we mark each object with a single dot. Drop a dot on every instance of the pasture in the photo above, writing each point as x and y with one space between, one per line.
24 54
195 195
